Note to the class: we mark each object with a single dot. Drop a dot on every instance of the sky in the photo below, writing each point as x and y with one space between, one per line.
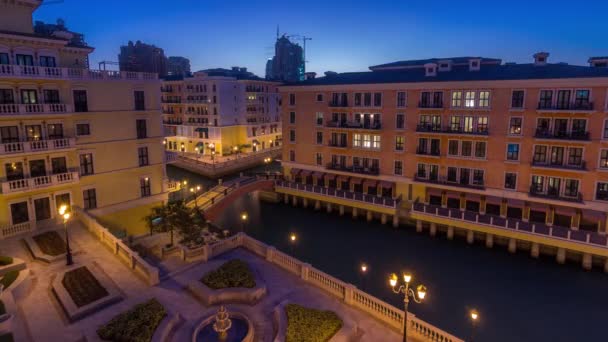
346 35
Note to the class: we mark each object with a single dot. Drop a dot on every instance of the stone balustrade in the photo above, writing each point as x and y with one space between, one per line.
40 72
35 108
37 145
33 183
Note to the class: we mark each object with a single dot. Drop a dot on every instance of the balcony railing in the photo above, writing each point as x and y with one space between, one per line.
338 104
581 166
38 108
27 71
562 135
556 194
353 125
337 143
33 183
584 106
425 152
38 145
444 181
426 128
354 169
170 100
437 105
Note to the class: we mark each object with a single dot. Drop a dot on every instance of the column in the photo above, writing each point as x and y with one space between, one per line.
503 208
355 212
304 271
348 293
305 202
341 210
489 240
444 199
587 261
525 212
535 250
549 217
576 220
450 233
370 216
383 218
395 221
433 229
317 205
329 208
512 245
561 255
418 226
482 205
470 236
463 202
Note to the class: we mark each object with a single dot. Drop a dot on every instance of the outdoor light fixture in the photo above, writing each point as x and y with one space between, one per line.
63 212
474 317
363 268
293 237
408 293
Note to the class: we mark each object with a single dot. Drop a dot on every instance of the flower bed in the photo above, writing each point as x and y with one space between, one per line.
234 273
310 325
135 325
9 278
50 243
82 286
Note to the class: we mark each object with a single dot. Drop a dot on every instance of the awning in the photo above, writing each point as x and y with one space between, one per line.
330 176
318 174
295 171
538 206
355 180
370 182
386 185
451 194
201 129
515 203
473 197
434 192
592 215
566 211
493 200
305 173
342 178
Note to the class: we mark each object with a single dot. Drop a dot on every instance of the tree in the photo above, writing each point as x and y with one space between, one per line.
176 216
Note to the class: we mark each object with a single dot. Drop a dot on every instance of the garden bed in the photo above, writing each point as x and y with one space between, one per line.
136 325
82 286
8 264
234 273
48 246
9 278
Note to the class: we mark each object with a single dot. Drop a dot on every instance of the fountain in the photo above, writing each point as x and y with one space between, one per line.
224 327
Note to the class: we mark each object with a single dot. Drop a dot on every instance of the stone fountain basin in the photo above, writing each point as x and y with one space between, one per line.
233 314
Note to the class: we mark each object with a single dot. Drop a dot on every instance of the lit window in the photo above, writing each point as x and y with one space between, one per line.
484 99
456 99
469 100
367 143
376 142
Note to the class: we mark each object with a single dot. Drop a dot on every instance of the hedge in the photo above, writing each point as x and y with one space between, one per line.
234 273
5 260
310 325
9 278
135 325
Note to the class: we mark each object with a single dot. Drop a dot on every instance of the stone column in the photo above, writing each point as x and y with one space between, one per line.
470 236
383 218
348 293
305 202
444 199
370 216
561 255
503 208
418 226
317 205
304 271
450 233
489 240
294 201
395 221
587 261
550 217
535 250
463 202
433 229
512 245
329 208
576 220
355 212
525 212
482 205
341 210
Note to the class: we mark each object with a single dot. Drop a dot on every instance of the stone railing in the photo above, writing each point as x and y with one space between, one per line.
119 248
38 145
351 296
27 184
16 229
27 71
194 160
38 108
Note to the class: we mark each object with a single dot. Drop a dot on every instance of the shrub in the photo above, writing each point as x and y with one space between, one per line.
9 278
234 273
5 260
82 286
135 325
50 243
310 325
8 337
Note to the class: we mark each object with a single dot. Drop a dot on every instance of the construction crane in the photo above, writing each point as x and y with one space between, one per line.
104 63
303 39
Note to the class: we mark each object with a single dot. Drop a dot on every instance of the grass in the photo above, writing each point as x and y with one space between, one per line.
8 337
50 243
135 325
234 273
9 278
310 325
5 260
83 287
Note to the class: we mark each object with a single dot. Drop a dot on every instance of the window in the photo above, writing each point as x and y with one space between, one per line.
25 60
453 147
319 119
421 171
438 99
59 165
517 99
292 135
47 61
478 177
400 121
292 156
579 127
603 159
376 142
319 138
468 124
469 99
19 212
4 58
513 152
484 99
367 141
319 97
425 99
482 124
90 198
6 96
367 99
455 123
571 188
538 184
29 96
319 158
557 155
575 156
86 164
457 99
605 134
83 129
80 101
144 187
140 101
357 99
142 153
563 99
546 99
452 174
54 131
601 192
51 96
33 132
581 99
515 126
357 141
480 149
377 99
292 118
398 169
466 148
292 99
510 180
140 125
401 99
9 134
540 154
399 143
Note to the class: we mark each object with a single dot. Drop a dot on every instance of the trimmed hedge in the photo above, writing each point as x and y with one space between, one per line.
310 325
135 325
50 243
9 278
5 260
82 286
234 273
8 337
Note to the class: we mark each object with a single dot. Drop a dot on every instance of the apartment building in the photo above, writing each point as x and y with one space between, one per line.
220 112
521 146
70 135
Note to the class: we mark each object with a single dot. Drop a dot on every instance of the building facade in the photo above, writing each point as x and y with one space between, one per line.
178 66
141 57
287 65
70 135
218 110
500 147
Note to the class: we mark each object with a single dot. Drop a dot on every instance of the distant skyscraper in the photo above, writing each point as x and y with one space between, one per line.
142 57
288 61
178 66
269 74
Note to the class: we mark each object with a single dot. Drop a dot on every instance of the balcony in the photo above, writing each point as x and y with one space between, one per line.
561 135
39 108
372 171
353 125
36 146
569 107
171 101
444 181
426 128
425 152
341 144
555 194
40 72
33 183
338 104
562 166
427 105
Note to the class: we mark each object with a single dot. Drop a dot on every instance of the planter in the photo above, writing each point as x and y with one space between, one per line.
40 255
209 296
17 265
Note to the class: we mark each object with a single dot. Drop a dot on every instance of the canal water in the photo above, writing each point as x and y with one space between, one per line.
519 298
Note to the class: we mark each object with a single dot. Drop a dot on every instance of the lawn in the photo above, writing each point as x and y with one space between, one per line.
5 260
8 278
135 325
83 287
50 243
310 325
234 273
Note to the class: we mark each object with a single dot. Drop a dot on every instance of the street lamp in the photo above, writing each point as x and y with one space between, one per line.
244 218
474 319
267 161
362 274
66 216
407 292
255 147
236 151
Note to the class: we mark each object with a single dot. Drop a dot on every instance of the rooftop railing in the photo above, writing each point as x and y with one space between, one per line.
29 71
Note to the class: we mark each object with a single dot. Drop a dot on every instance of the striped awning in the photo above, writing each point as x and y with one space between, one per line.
331 176
370 182
306 173
386 185
295 171
355 180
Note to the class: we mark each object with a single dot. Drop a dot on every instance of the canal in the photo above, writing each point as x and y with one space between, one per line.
519 298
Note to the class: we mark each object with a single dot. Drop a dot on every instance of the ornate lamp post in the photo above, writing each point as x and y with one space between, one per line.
66 216
474 318
363 273
244 218
407 292
195 192
293 238
255 146
236 151
267 162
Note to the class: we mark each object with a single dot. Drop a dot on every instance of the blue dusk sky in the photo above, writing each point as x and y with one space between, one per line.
346 35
